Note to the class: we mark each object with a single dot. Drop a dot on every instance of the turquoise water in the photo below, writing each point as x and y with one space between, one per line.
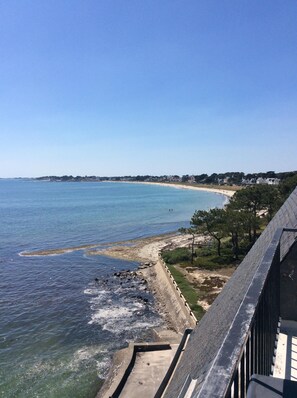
58 326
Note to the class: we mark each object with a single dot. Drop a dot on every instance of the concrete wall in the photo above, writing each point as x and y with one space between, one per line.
181 308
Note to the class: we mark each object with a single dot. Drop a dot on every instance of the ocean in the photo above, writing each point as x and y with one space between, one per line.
59 326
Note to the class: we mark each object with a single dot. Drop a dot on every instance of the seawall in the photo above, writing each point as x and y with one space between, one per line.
179 308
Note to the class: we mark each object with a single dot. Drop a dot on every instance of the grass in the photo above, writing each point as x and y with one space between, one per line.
205 258
176 256
213 262
188 291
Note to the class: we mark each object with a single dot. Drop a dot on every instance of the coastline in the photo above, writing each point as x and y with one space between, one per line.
146 251
225 192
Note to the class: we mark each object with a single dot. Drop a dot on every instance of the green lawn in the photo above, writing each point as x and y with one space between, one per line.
188 291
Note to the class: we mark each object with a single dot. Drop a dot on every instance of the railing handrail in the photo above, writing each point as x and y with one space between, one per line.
220 375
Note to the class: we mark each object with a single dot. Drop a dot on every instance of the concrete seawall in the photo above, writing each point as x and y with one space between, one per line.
179 308
178 314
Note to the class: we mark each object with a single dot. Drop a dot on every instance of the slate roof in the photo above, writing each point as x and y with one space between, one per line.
209 334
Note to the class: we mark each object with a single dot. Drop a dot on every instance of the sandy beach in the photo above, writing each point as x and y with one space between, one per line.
221 191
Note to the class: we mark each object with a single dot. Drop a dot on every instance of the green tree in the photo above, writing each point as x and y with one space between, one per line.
211 223
253 199
185 178
271 200
235 227
287 186
192 232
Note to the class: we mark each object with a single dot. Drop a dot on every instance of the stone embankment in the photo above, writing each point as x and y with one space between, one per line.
180 309
156 276
171 303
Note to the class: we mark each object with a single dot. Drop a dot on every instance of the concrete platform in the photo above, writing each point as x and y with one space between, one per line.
138 370
286 354
148 372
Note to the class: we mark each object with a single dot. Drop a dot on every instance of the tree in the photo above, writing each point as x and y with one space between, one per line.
192 232
185 178
271 200
212 179
252 200
200 178
235 226
210 222
288 185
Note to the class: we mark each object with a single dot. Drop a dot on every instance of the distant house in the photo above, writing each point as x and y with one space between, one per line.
224 181
174 178
273 181
268 181
246 181
261 180
192 179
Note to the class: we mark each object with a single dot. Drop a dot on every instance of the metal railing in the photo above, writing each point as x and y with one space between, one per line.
250 343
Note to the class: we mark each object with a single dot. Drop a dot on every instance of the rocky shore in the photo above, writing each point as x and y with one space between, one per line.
151 275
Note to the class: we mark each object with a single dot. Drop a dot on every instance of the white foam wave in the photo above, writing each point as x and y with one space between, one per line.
87 354
89 291
95 292
125 325
144 325
81 357
112 313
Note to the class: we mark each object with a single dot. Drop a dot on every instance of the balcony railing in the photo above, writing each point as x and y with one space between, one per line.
250 343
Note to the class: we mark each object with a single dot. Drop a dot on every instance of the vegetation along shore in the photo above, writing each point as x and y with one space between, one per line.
203 256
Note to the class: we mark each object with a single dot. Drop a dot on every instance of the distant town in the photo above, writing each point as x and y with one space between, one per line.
229 178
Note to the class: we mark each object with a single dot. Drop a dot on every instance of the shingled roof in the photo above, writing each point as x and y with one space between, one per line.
209 334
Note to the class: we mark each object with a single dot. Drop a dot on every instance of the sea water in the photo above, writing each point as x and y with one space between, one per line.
59 326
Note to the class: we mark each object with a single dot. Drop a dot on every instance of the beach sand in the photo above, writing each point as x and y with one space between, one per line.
222 191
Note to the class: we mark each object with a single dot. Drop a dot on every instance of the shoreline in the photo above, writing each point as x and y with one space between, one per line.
225 192
53 252
100 248
146 251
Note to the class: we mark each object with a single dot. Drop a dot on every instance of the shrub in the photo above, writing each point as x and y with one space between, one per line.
176 256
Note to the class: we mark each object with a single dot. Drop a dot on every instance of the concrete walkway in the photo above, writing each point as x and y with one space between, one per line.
148 372
286 354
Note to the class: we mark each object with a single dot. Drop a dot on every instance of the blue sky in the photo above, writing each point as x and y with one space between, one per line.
127 87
